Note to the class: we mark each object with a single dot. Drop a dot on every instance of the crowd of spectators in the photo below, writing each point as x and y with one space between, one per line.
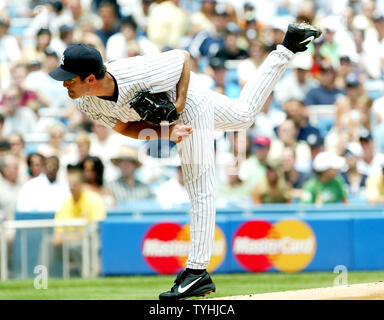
319 138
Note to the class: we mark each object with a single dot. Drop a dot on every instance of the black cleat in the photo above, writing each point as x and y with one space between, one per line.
299 35
189 285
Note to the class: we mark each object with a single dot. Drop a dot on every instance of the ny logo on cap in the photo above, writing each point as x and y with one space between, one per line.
62 59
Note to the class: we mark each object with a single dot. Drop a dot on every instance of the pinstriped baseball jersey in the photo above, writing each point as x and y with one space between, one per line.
155 73
197 152
205 111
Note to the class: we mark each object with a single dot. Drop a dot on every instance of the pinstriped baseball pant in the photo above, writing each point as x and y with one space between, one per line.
197 152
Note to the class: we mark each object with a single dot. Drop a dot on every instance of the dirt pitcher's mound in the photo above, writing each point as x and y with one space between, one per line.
363 291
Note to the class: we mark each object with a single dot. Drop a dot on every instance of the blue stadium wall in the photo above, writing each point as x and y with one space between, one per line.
352 236
354 240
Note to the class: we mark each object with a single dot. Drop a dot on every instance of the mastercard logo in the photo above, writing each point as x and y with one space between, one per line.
288 245
165 248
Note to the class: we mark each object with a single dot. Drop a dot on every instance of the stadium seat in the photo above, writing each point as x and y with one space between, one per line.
374 88
322 117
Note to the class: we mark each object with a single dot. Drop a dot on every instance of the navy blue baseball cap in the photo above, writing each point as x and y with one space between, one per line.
77 60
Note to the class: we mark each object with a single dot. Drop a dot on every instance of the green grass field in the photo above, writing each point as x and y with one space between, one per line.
149 287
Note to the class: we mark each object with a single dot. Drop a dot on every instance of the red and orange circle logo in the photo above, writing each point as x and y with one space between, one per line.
288 245
165 248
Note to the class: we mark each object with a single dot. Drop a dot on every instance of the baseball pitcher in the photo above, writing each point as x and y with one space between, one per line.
134 96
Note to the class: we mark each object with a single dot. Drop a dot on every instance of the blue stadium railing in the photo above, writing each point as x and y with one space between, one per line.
140 208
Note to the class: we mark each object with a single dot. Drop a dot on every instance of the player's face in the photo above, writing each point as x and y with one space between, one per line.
76 87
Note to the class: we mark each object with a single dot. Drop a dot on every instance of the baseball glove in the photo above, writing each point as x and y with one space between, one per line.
154 107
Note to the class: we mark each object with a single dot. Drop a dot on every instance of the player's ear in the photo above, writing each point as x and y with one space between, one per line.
91 79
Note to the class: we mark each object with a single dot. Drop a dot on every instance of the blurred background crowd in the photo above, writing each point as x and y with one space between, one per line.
319 138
